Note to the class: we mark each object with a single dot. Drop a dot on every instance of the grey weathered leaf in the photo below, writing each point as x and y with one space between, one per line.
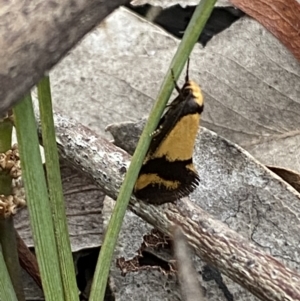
238 190
84 202
242 193
143 283
251 87
250 82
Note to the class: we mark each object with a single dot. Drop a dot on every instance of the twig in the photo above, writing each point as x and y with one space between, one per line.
187 275
212 240
28 261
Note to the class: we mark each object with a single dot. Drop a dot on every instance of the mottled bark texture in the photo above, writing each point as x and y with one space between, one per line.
35 35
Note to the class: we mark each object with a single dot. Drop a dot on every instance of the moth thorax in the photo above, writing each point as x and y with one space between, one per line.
193 88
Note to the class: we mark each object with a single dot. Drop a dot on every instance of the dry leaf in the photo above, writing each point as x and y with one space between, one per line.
239 191
250 82
281 17
290 176
83 207
251 91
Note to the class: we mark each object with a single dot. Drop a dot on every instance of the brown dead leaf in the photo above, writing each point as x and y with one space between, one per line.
281 17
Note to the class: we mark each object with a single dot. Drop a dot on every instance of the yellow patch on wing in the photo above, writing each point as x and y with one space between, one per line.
179 143
150 179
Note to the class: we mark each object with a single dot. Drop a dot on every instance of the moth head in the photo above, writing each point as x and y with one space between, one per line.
191 88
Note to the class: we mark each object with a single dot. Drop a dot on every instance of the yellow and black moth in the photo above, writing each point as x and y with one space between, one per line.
168 173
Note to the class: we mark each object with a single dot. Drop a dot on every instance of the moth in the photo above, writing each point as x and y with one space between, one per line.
168 173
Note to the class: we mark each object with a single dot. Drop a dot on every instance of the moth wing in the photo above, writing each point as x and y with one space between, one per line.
167 122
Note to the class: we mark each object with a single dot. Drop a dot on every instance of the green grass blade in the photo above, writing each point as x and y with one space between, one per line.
7 231
56 191
5 134
10 254
38 200
7 292
189 39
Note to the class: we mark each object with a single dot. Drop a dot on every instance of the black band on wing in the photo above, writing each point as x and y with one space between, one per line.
172 171
162 192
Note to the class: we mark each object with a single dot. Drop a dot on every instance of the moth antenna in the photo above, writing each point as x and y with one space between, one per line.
175 83
187 70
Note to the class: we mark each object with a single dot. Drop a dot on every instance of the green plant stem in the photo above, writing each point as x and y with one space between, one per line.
189 39
5 144
6 127
7 292
56 191
7 231
38 201
10 254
